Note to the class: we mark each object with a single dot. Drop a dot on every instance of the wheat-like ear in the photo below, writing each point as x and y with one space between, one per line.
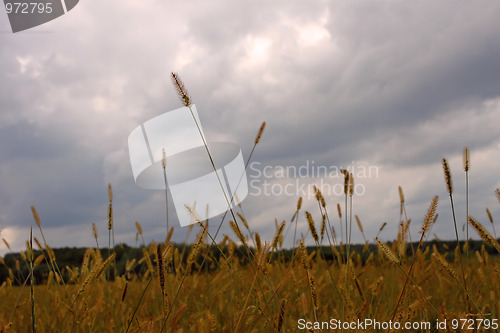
323 226
195 250
159 263
237 231
299 203
358 221
351 184
346 180
110 216
489 215
387 251
312 228
110 193
444 263
94 231
139 228
6 243
466 159
36 216
261 130
243 220
401 195
258 242
497 191
181 90
40 247
483 233
321 198
303 255
314 293
430 216
277 235
447 176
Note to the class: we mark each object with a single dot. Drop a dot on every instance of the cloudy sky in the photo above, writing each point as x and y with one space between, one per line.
391 85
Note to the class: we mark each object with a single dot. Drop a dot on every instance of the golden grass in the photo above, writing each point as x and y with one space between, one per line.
259 290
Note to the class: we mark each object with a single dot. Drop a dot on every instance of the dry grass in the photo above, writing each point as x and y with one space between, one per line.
259 290
271 297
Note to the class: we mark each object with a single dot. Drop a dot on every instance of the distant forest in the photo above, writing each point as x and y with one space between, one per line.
15 265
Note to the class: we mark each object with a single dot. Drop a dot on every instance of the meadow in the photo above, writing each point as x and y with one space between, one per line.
246 284
243 283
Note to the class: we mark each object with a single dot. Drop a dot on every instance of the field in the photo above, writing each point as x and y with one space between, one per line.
244 283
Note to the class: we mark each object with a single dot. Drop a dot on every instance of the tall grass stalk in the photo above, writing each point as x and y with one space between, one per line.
449 187
324 212
491 221
466 169
111 229
32 280
186 100
402 211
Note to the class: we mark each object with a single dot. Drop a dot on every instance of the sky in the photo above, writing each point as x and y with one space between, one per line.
389 87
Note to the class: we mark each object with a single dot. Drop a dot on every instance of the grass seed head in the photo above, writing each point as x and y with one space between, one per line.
258 242
181 90
358 221
323 226
237 232
161 273
466 159
243 220
447 176
36 216
299 203
314 293
346 181
489 215
110 193
261 130
351 184
444 263
110 216
387 251
6 243
483 233
430 216
303 255
94 231
29 252
169 235
139 228
312 228
401 195
277 235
